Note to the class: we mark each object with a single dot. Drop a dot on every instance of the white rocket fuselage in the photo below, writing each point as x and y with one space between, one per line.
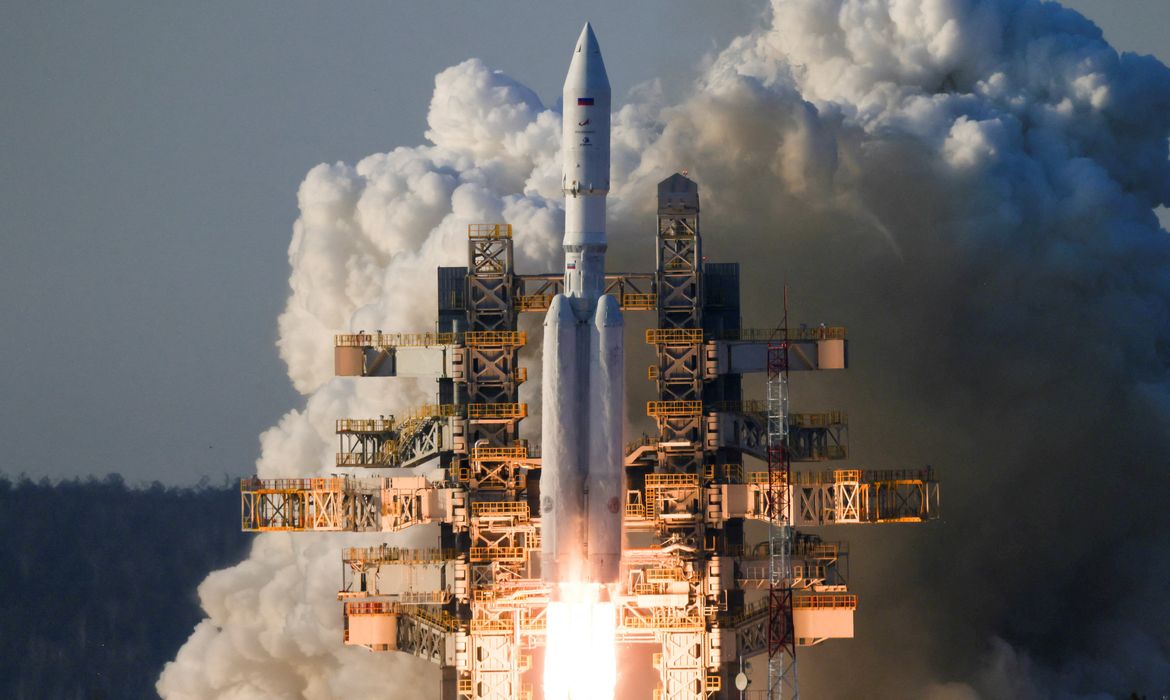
583 394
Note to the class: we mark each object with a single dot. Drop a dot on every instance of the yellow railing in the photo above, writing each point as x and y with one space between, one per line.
290 485
638 301
762 477
491 625
664 575
745 406
818 550
483 339
425 597
728 472
657 481
489 231
635 510
903 475
825 601
379 339
434 410
776 335
832 476
356 459
401 555
674 336
374 608
482 554
435 617
365 425
663 620
533 302
521 375
487 509
645 441
497 411
652 372
817 420
673 409
497 453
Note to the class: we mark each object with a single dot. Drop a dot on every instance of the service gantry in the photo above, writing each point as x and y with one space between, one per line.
694 584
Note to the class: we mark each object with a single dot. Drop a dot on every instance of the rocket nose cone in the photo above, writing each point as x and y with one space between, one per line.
560 312
587 69
587 42
609 312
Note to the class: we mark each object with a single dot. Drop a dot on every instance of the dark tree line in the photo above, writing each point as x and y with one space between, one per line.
98 579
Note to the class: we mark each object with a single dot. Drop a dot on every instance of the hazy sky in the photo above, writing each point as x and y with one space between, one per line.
149 160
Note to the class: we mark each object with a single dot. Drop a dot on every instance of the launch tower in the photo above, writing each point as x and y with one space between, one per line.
695 579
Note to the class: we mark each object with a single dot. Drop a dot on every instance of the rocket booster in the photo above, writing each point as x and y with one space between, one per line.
583 393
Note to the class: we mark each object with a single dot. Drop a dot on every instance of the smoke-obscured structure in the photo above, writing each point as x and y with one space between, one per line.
968 186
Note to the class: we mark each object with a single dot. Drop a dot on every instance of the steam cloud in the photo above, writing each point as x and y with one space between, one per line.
969 186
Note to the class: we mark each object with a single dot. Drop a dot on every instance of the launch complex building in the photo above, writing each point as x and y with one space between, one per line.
660 521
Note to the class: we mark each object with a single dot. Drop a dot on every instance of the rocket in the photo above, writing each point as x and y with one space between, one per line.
583 394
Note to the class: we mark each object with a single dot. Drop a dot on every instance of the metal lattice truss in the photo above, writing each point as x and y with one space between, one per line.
682 666
503 540
410 576
495 663
336 503
490 280
679 279
680 372
388 443
354 504
634 291
500 469
860 496
813 437
429 638
836 497
673 505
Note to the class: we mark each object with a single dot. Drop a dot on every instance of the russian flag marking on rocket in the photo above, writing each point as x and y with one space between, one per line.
584 101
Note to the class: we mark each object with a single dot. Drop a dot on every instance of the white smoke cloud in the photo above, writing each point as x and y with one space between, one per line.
969 185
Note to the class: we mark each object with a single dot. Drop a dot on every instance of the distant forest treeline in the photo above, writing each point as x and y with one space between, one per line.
98 579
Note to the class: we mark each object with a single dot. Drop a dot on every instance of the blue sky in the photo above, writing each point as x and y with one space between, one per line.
152 154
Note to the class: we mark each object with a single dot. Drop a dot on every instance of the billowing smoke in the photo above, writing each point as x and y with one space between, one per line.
969 186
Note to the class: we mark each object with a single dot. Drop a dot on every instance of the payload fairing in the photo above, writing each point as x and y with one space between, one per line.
583 394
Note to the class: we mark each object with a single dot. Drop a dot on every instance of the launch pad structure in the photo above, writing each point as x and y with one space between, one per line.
692 584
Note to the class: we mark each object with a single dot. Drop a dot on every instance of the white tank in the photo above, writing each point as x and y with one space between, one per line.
561 422
605 482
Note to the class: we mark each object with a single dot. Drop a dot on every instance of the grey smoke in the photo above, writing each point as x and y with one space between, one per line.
968 186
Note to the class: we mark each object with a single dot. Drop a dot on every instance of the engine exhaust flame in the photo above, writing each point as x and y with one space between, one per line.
580 649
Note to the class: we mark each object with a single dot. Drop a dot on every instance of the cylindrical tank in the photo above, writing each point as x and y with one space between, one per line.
831 353
607 401
561 483
347 361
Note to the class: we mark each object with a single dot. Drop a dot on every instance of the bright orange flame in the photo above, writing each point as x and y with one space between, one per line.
580 660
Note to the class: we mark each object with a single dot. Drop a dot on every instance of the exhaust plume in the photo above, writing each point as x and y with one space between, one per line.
968 185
